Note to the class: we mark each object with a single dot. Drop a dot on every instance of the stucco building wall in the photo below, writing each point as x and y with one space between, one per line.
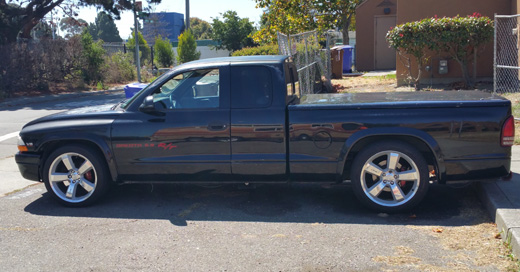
365 18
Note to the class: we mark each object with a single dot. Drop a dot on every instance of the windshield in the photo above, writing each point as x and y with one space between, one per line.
126 103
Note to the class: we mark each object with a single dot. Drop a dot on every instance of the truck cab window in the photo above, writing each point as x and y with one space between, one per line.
252 87
196 89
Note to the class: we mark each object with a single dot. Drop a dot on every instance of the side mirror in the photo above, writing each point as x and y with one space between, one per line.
148 105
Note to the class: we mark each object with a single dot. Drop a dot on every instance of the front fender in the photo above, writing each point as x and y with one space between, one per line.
98 138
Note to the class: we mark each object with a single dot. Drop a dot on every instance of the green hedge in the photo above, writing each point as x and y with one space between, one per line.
459 37
269 49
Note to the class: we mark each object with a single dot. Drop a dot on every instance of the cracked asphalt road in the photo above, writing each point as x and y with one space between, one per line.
269 228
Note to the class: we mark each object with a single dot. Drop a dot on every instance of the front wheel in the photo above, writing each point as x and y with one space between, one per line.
75 175
390 176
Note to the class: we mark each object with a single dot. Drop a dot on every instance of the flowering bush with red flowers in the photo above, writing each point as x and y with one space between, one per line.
459 37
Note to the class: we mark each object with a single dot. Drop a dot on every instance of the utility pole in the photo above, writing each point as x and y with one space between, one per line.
187 14
136 39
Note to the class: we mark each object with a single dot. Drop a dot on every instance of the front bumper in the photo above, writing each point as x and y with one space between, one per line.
28 165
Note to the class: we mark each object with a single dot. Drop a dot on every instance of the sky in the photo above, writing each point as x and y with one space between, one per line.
203 9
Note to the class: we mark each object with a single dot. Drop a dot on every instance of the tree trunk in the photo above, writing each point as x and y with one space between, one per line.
419 74
345 26
27 27
465 73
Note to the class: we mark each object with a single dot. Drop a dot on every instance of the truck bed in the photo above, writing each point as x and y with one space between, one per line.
404 99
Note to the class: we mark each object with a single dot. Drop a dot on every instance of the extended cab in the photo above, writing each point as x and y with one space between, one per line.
242 119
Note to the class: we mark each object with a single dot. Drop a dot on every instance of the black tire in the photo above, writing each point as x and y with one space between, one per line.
76 176
390 176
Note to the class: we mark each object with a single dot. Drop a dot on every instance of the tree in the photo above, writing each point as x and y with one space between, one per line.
412 39
201 29
93 31
72 26
163 52
233 32
461 38
93 58
19 17
106 28
144 49
295 16
187 48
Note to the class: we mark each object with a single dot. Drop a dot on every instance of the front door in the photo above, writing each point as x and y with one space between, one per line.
385 57
187 140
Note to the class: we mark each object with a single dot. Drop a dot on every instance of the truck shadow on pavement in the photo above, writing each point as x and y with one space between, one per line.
443 206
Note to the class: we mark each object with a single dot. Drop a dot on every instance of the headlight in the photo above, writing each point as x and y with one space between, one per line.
21 145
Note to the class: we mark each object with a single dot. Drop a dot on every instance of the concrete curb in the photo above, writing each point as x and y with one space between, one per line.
21 101
505 215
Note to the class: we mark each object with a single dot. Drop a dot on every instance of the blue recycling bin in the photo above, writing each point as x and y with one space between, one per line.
133 88
347 58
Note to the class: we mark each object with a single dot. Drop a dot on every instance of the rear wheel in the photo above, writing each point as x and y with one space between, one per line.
390 176
75 176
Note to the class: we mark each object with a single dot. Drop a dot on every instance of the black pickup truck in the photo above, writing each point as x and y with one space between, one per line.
243 120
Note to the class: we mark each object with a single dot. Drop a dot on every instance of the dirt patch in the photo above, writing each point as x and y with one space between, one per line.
389 84
368 84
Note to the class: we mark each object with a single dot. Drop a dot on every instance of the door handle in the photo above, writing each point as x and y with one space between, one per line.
216 127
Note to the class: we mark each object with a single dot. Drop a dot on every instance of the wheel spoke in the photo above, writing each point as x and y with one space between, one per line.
59 177
393 159
397 193
409 175
87 185
377 189
373 169
85 167
67 161
71 191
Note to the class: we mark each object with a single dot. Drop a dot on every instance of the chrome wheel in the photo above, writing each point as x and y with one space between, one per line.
390 178
72 177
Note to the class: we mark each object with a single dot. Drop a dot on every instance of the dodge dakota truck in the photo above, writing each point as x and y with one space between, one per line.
243 120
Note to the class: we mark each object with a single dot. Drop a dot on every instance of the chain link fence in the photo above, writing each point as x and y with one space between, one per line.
312 62
114 47
507 41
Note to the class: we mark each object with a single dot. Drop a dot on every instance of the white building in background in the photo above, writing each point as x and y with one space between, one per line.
206 49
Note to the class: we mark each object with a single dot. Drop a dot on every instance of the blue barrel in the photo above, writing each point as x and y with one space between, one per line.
347 58
133 88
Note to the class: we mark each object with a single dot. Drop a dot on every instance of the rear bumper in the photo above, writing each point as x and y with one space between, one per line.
469 170
28 165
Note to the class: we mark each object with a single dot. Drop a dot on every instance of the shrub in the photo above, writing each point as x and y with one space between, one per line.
187 48
34 65
460 37
120 68
144 49
268 49
163 52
